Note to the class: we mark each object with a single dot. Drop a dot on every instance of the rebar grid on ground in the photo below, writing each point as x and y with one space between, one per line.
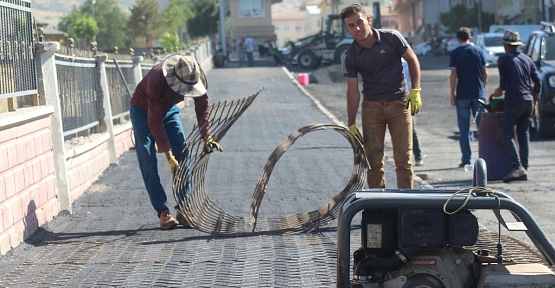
205 215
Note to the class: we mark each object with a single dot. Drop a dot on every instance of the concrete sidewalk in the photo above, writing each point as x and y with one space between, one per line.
112 237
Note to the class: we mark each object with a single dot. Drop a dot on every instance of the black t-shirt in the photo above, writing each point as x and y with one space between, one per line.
379 66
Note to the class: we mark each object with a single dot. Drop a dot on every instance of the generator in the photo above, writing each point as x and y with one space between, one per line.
428 239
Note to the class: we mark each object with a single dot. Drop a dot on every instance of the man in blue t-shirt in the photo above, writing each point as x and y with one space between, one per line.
516 74
468 80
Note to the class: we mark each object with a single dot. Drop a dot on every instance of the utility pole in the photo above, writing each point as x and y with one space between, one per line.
222 27
542 9
479 3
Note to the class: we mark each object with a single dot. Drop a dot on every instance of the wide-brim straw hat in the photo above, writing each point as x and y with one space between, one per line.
185 76
511 38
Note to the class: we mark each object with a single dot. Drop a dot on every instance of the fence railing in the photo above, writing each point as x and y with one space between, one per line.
77 86
17 67
77 73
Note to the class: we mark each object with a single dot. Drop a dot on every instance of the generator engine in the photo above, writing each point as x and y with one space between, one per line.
416 248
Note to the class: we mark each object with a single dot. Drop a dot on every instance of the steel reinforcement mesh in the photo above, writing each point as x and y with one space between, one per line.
119 94
17 65
205 215
77 81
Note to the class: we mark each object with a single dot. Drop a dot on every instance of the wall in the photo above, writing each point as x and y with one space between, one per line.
27 177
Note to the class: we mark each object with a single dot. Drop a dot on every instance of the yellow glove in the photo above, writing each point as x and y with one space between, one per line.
210 145
354 130
414 100
173 165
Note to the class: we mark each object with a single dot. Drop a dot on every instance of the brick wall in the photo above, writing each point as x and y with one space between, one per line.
27 177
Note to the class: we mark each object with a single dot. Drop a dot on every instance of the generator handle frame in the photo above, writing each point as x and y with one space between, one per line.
430 199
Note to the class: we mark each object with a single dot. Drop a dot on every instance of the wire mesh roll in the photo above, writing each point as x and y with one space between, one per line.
205 215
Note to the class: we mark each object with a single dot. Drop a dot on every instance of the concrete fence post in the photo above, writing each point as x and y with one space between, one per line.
137 72
105 111
48 88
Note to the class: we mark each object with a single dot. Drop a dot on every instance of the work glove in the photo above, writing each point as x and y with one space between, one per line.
354 131
414 100
173 165
534 110
210 145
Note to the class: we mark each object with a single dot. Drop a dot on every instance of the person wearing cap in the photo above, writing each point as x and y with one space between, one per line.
387 103
517 72
155 119
467 81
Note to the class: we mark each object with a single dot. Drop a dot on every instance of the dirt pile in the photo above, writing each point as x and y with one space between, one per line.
327 75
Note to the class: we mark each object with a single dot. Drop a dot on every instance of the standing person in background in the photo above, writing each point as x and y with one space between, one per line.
155 119
468 79
376 55
516 74
241 50
418 161
249 48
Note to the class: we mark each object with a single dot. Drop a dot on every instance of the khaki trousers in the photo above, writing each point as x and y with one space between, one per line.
376 117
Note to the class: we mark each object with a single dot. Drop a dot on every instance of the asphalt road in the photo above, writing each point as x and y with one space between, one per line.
112 237
438 134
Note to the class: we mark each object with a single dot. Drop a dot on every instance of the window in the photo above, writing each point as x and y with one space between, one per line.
286 26
298 26
251 8
276 27
536 51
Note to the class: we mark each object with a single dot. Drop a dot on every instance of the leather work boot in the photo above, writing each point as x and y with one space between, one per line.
183 221
167 222
516 174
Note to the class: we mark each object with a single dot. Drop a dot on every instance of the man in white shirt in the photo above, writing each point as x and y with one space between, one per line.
249 47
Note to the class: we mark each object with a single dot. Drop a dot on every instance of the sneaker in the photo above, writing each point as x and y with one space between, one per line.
183 221
516 174
461 165
419 162
167 222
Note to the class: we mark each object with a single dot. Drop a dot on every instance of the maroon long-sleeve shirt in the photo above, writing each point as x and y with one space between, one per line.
154 96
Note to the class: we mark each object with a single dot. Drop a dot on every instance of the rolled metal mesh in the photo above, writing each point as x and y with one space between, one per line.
205 215
77 81
17 65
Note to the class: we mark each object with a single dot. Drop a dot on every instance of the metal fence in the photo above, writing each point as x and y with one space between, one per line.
77 87
120 90
17 66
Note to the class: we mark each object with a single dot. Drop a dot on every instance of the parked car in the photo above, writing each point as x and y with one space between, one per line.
491 45
541 48
451 44
422 49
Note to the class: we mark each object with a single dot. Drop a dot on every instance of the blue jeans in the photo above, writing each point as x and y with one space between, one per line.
146 151
415 143
250 59
516 115
464 107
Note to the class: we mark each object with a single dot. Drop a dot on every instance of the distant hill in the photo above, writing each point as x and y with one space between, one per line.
50 11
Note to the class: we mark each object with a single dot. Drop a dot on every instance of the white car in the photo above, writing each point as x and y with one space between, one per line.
422 49
451 44
491 45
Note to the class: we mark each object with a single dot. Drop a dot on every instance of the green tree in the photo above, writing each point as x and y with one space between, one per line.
109 17
205 20
145 21
459 16
79 26
171 42
176 15
84 28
